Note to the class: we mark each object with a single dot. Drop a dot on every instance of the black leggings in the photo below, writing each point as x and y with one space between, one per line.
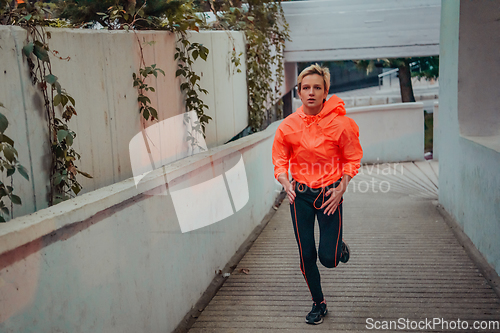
304 210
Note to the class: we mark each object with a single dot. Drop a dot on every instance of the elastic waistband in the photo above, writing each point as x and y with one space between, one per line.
303 188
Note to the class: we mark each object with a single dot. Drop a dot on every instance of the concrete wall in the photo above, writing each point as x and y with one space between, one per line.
115 260
99 77
361 29
469 174
390 133
383 99
478 98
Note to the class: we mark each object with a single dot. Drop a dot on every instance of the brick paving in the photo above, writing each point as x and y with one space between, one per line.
405 263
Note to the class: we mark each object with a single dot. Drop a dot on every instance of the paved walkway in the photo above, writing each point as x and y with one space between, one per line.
405 263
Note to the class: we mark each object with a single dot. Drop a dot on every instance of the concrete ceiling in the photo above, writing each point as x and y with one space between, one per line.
361 29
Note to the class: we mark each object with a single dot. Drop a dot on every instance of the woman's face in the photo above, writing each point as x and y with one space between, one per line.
312 92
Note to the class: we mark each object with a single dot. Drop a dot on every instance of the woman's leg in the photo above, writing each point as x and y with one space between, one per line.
303 218
330 241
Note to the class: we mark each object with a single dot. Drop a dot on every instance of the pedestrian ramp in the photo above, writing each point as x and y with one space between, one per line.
407 271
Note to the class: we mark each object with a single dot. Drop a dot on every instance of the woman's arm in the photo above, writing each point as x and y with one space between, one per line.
281 159
351 155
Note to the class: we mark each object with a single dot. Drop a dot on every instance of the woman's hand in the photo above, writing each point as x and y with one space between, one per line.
333 202
290 191
289 187
335 195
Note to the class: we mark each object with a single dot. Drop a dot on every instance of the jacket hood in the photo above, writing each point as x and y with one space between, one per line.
333 105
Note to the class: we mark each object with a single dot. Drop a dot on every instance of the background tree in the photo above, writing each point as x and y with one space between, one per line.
141 13
426 67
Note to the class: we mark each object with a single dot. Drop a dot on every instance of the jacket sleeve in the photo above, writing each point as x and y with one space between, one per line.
281 154
351 148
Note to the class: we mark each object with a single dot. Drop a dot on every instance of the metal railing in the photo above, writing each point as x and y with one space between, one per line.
380 76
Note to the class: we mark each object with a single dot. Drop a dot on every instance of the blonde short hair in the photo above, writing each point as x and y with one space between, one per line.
315 69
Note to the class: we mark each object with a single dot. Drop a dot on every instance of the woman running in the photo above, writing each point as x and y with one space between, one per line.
320 146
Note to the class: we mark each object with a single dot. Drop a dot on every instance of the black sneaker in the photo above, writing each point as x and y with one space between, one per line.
344 256
317 313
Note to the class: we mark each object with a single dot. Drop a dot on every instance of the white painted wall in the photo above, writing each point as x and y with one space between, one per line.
390 133
115 260
99 77
361 29
469 167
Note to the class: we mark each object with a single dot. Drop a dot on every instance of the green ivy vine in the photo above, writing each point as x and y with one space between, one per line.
63 172
266 31
186 54
176 16
145 108
8 163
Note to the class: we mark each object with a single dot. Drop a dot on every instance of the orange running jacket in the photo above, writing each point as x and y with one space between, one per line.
318 149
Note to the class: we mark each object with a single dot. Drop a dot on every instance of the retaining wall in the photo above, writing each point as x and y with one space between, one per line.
390 133
99 77
116 260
